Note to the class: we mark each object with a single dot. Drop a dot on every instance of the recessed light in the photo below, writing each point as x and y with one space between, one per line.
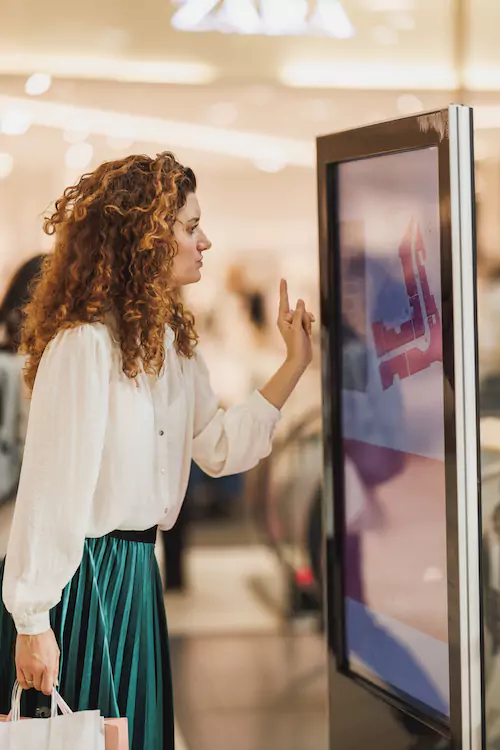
38 84
15 122
323 74
6 165
238 144
109 68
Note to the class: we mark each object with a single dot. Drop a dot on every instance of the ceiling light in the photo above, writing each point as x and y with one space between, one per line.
331 18
281 17
174 134
239 16
402 21
384 35
79 155
234 15
223 114
15 122
6 165
108 69
376 76
266 17
191 14
409 103
38 84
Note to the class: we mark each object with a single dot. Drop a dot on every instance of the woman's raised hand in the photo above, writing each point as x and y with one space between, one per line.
295 327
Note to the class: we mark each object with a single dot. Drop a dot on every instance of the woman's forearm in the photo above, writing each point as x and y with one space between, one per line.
282 383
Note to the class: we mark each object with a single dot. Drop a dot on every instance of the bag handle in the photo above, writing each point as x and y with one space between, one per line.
56 703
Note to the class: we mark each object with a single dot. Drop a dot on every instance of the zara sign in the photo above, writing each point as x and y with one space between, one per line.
266 17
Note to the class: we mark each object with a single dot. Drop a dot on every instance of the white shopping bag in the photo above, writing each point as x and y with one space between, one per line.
83 730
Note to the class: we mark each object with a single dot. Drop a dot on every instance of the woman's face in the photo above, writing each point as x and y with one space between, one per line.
191 243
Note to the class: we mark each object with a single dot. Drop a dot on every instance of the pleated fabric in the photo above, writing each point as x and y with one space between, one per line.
112 631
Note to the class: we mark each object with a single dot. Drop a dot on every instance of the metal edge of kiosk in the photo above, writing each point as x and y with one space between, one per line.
450 130
466 421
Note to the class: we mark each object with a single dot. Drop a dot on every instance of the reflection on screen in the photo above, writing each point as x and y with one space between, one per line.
393 426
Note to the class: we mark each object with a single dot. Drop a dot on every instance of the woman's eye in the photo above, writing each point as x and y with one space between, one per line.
192 230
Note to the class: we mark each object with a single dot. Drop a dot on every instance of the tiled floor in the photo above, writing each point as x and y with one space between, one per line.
251 692
220 598
241 682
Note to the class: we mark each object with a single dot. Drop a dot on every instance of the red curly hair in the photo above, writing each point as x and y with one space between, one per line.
113 257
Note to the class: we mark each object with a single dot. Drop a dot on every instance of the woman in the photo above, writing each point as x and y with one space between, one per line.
16 296
121 403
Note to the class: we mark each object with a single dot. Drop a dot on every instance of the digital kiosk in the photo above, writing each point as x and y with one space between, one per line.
402 509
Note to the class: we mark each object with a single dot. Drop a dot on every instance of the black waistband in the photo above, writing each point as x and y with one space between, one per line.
147 537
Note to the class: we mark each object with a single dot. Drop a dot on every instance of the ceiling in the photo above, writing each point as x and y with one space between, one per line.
248 129
397 42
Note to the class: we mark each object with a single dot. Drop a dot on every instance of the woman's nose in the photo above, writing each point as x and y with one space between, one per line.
204 244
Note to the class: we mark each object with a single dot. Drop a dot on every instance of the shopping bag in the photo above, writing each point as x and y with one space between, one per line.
115 730
82 730
116 734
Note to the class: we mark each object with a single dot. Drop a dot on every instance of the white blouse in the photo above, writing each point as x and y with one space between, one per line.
105 452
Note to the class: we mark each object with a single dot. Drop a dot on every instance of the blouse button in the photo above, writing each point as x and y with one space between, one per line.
162 471
161 433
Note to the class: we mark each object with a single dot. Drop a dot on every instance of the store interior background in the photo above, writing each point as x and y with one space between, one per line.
243 110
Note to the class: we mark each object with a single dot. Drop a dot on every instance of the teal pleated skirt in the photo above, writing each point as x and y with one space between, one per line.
112 631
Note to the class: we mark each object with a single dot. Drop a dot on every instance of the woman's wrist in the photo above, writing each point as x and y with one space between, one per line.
279 388
296 365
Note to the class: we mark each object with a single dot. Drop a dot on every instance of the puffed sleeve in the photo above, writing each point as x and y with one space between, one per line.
64 444
233 440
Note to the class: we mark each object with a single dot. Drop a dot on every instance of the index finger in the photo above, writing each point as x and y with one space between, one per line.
284 303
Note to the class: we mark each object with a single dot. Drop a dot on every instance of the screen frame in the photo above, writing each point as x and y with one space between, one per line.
435 129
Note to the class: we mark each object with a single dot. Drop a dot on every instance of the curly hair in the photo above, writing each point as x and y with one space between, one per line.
114 247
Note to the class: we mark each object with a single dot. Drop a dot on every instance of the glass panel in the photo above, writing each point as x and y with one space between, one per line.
393 426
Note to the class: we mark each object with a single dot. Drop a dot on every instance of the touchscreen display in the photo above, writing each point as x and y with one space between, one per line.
395 578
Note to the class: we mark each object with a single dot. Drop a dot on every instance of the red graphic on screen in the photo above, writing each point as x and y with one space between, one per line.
413 345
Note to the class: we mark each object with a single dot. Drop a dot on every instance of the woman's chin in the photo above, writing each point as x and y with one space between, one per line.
192 278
